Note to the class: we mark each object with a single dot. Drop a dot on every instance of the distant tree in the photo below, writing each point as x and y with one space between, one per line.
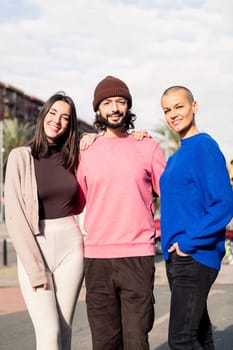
168 139
15 134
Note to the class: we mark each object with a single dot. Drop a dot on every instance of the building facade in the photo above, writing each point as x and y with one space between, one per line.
14 103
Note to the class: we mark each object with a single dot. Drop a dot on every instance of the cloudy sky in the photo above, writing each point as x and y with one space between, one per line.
52 45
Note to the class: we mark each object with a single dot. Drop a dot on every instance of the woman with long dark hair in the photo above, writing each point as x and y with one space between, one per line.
41 205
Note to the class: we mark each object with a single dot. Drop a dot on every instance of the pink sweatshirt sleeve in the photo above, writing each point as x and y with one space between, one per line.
158 164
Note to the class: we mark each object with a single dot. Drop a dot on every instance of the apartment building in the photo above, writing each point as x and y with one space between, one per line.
14 103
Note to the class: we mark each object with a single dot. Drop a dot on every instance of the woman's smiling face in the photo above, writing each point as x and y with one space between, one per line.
56 120
179 112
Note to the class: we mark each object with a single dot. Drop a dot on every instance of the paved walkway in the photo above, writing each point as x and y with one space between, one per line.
10 295
12 301
11 298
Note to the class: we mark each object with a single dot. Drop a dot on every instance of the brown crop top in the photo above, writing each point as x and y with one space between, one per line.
57 187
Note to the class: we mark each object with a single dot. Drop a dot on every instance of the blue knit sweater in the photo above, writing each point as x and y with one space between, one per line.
196 200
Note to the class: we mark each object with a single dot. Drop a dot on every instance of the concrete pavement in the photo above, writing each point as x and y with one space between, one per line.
12 301
9 291
16 329
10 294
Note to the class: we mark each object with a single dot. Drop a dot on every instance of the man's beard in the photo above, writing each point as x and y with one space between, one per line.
110 125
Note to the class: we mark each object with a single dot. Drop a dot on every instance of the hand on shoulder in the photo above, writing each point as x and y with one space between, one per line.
140 134
87 140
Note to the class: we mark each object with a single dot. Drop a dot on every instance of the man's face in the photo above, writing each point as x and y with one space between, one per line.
113 110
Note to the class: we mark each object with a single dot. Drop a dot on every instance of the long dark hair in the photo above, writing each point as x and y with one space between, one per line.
68 142
128 121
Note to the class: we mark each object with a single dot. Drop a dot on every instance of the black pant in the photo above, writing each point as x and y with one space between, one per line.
190 282
120 302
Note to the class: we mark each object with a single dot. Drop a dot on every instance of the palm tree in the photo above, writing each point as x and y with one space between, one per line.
15 134
169 140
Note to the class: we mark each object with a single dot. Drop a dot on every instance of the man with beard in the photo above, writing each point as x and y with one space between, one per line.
118 176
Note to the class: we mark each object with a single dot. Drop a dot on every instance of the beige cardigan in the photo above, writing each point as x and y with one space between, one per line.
21 212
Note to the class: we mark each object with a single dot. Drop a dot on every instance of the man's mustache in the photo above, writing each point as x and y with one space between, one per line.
117 113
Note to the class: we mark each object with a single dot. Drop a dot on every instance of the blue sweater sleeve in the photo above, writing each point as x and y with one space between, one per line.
212 179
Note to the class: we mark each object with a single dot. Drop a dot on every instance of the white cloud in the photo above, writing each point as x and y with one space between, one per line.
150 44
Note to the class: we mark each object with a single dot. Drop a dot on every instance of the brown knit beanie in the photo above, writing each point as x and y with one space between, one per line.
111 87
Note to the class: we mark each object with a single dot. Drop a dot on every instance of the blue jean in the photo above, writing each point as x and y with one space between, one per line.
190 282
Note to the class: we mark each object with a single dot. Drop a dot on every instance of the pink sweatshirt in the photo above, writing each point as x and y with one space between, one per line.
116 176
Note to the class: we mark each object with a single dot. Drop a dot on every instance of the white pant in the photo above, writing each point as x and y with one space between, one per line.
52 310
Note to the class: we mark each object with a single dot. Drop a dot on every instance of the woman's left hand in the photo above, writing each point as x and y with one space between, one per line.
44 286
87 140
140 134
175 247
